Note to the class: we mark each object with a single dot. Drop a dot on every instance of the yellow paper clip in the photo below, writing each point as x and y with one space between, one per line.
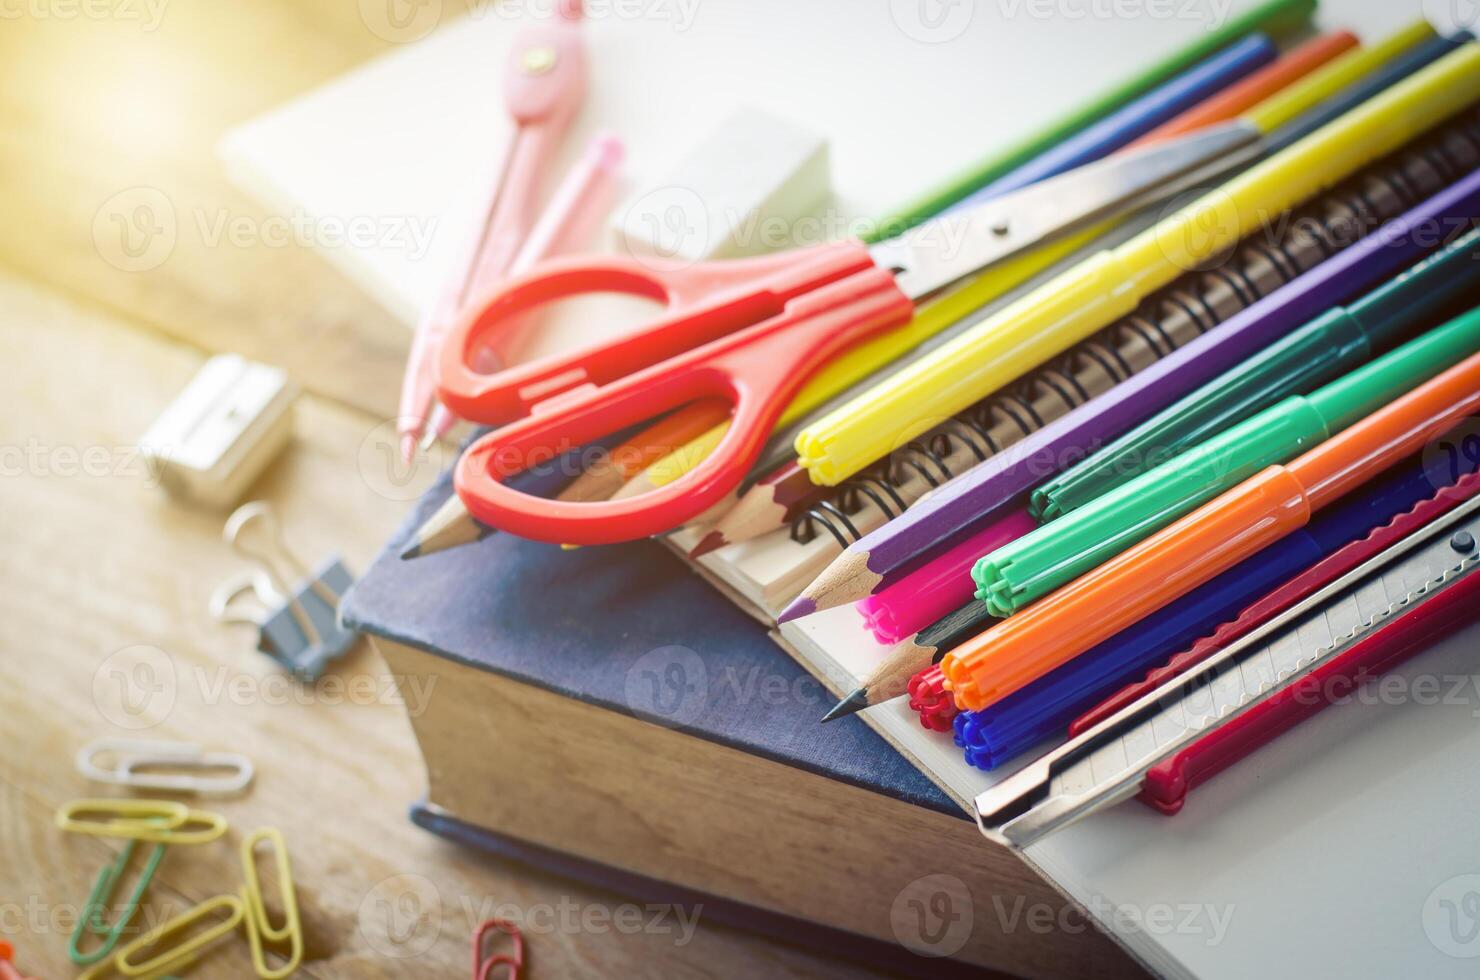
159 821
175 957
259 927
108 970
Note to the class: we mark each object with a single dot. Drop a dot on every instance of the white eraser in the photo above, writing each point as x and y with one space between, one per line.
741 191
218 434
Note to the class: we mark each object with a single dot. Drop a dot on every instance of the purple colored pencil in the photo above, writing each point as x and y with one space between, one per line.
982 492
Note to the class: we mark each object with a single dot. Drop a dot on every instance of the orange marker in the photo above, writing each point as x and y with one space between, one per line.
1210 540
1243 95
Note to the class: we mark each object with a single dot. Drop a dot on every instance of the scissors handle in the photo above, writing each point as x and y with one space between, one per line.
758 368
703 303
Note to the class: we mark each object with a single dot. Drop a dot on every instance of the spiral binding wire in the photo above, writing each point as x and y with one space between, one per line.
1189 307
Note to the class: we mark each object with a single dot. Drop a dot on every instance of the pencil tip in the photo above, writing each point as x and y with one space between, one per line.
853 703
803 606
713 541
413 550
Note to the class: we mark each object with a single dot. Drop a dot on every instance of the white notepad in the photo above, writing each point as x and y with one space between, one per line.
1332 852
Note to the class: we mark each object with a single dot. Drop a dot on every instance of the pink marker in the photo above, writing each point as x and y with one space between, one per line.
929 592
544 83
568 223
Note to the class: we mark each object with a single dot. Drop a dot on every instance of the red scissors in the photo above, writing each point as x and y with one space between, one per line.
750 331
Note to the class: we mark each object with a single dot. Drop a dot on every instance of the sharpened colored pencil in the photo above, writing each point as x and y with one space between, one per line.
778 499
605 477
892 677
450 527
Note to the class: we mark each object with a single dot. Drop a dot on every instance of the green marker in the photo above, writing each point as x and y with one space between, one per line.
1271 17
1042 560
1325 348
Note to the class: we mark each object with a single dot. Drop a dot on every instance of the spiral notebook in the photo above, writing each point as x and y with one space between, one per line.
768 572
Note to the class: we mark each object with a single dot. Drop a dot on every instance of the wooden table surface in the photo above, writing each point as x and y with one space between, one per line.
106 105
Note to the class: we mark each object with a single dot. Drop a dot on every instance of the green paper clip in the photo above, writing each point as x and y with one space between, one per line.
91 921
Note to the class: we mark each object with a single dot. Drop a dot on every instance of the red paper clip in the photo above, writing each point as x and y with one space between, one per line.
483 968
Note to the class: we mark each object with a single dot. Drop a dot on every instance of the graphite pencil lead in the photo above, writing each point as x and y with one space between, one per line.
853 703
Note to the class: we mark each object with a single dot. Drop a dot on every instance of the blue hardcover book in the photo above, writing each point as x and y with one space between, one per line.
605 713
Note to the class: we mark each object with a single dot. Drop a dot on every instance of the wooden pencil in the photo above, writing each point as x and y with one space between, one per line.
892 677
610 470
450 527
775 501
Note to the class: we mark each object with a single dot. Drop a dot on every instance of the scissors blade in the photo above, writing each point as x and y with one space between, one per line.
946 249
1107 763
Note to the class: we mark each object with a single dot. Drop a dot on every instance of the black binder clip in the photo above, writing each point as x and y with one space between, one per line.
297 627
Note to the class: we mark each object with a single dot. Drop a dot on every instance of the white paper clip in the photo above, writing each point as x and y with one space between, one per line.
134 759
299 626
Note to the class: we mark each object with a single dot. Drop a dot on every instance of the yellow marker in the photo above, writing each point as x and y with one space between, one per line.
1110 284
862 360
1331 78
176 957
259 927
160 821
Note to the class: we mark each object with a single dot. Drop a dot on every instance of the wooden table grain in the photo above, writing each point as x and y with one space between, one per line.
106 109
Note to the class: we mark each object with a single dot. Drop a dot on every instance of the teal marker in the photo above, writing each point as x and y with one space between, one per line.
1325 348
1049 556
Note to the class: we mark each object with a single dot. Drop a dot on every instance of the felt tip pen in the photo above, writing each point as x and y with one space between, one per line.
1137 118
1039 562
1454 487
1272 16
1329 345
939 586
1204 543
1397 58
1048 706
